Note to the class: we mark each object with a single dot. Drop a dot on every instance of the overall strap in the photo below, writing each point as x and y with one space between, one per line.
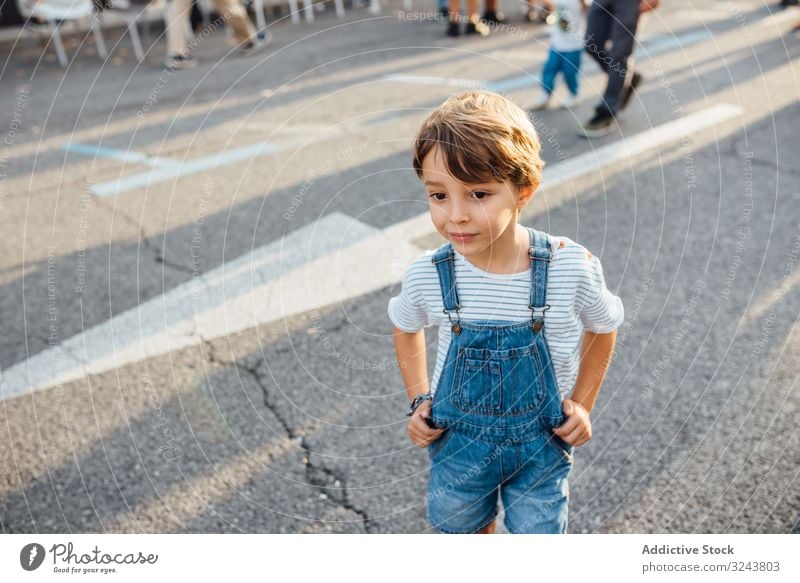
444 260
540 254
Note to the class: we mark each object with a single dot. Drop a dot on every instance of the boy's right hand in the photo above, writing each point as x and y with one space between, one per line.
418 430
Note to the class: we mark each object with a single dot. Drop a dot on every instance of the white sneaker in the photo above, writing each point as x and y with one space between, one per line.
569 101
541 102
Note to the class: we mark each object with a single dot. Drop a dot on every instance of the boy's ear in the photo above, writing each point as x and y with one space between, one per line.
525 195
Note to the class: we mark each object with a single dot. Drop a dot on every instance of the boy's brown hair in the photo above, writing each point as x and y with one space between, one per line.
483 136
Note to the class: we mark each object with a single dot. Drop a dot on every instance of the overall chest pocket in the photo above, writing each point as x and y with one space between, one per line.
499 382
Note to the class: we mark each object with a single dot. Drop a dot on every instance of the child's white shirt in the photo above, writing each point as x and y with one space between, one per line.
571 39
576 292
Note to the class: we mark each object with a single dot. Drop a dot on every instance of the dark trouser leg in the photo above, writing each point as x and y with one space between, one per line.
598 30
621 18
623 36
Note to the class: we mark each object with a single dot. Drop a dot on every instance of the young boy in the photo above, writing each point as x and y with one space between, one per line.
524 318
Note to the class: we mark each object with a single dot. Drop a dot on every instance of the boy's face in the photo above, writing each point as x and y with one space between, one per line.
483 212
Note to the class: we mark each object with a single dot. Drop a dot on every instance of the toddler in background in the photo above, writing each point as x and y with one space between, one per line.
568 28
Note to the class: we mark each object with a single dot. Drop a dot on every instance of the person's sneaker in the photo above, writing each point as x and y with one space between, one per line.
257 44
178 62
541 102
600 125
453 29
627 92
478 28
569 101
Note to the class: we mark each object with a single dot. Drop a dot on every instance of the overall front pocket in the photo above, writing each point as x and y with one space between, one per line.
498 382
477 382
525 380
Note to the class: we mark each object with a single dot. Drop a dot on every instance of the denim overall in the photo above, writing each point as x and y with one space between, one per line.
498 399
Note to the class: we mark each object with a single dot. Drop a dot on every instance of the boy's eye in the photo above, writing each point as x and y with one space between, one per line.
480 194
438 196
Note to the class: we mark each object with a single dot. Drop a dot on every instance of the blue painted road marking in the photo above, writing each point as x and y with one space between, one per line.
125 156
163 168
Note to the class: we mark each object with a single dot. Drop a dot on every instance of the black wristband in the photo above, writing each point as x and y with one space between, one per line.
416 402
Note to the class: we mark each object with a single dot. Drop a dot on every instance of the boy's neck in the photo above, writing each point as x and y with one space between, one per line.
508 253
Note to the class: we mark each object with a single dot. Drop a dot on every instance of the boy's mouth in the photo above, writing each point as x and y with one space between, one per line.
462 237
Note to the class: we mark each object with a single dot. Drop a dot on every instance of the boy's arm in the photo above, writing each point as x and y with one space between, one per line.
410 349
412 360
596 355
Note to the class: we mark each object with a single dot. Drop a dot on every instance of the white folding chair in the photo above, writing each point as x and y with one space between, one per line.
56 13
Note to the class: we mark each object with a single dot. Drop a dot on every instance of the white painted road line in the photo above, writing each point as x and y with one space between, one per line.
312 267
662 44
447 81
320 264
635 145
762 307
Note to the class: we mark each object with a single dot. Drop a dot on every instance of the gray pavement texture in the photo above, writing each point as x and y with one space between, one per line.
298 426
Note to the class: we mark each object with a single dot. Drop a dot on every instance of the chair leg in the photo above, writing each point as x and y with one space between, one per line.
98 37
339 8
261 21
55 35
136 41
309 10
205 11
294 10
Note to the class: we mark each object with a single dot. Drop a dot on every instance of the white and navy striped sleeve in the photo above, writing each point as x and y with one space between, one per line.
408 311
600 311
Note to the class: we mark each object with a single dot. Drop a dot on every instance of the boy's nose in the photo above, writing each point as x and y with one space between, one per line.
459 215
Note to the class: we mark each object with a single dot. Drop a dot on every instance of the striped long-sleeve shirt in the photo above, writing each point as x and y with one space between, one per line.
576 291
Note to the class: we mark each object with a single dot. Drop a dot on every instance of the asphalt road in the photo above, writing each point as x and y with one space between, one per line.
127 194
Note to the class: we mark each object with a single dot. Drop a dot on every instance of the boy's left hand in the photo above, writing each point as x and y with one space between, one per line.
577 429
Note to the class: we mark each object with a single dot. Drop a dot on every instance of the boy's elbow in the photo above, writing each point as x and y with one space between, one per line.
612 335
403 333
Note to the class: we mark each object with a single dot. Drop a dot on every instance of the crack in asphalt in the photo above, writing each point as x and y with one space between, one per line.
317 475
735 151
157 252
